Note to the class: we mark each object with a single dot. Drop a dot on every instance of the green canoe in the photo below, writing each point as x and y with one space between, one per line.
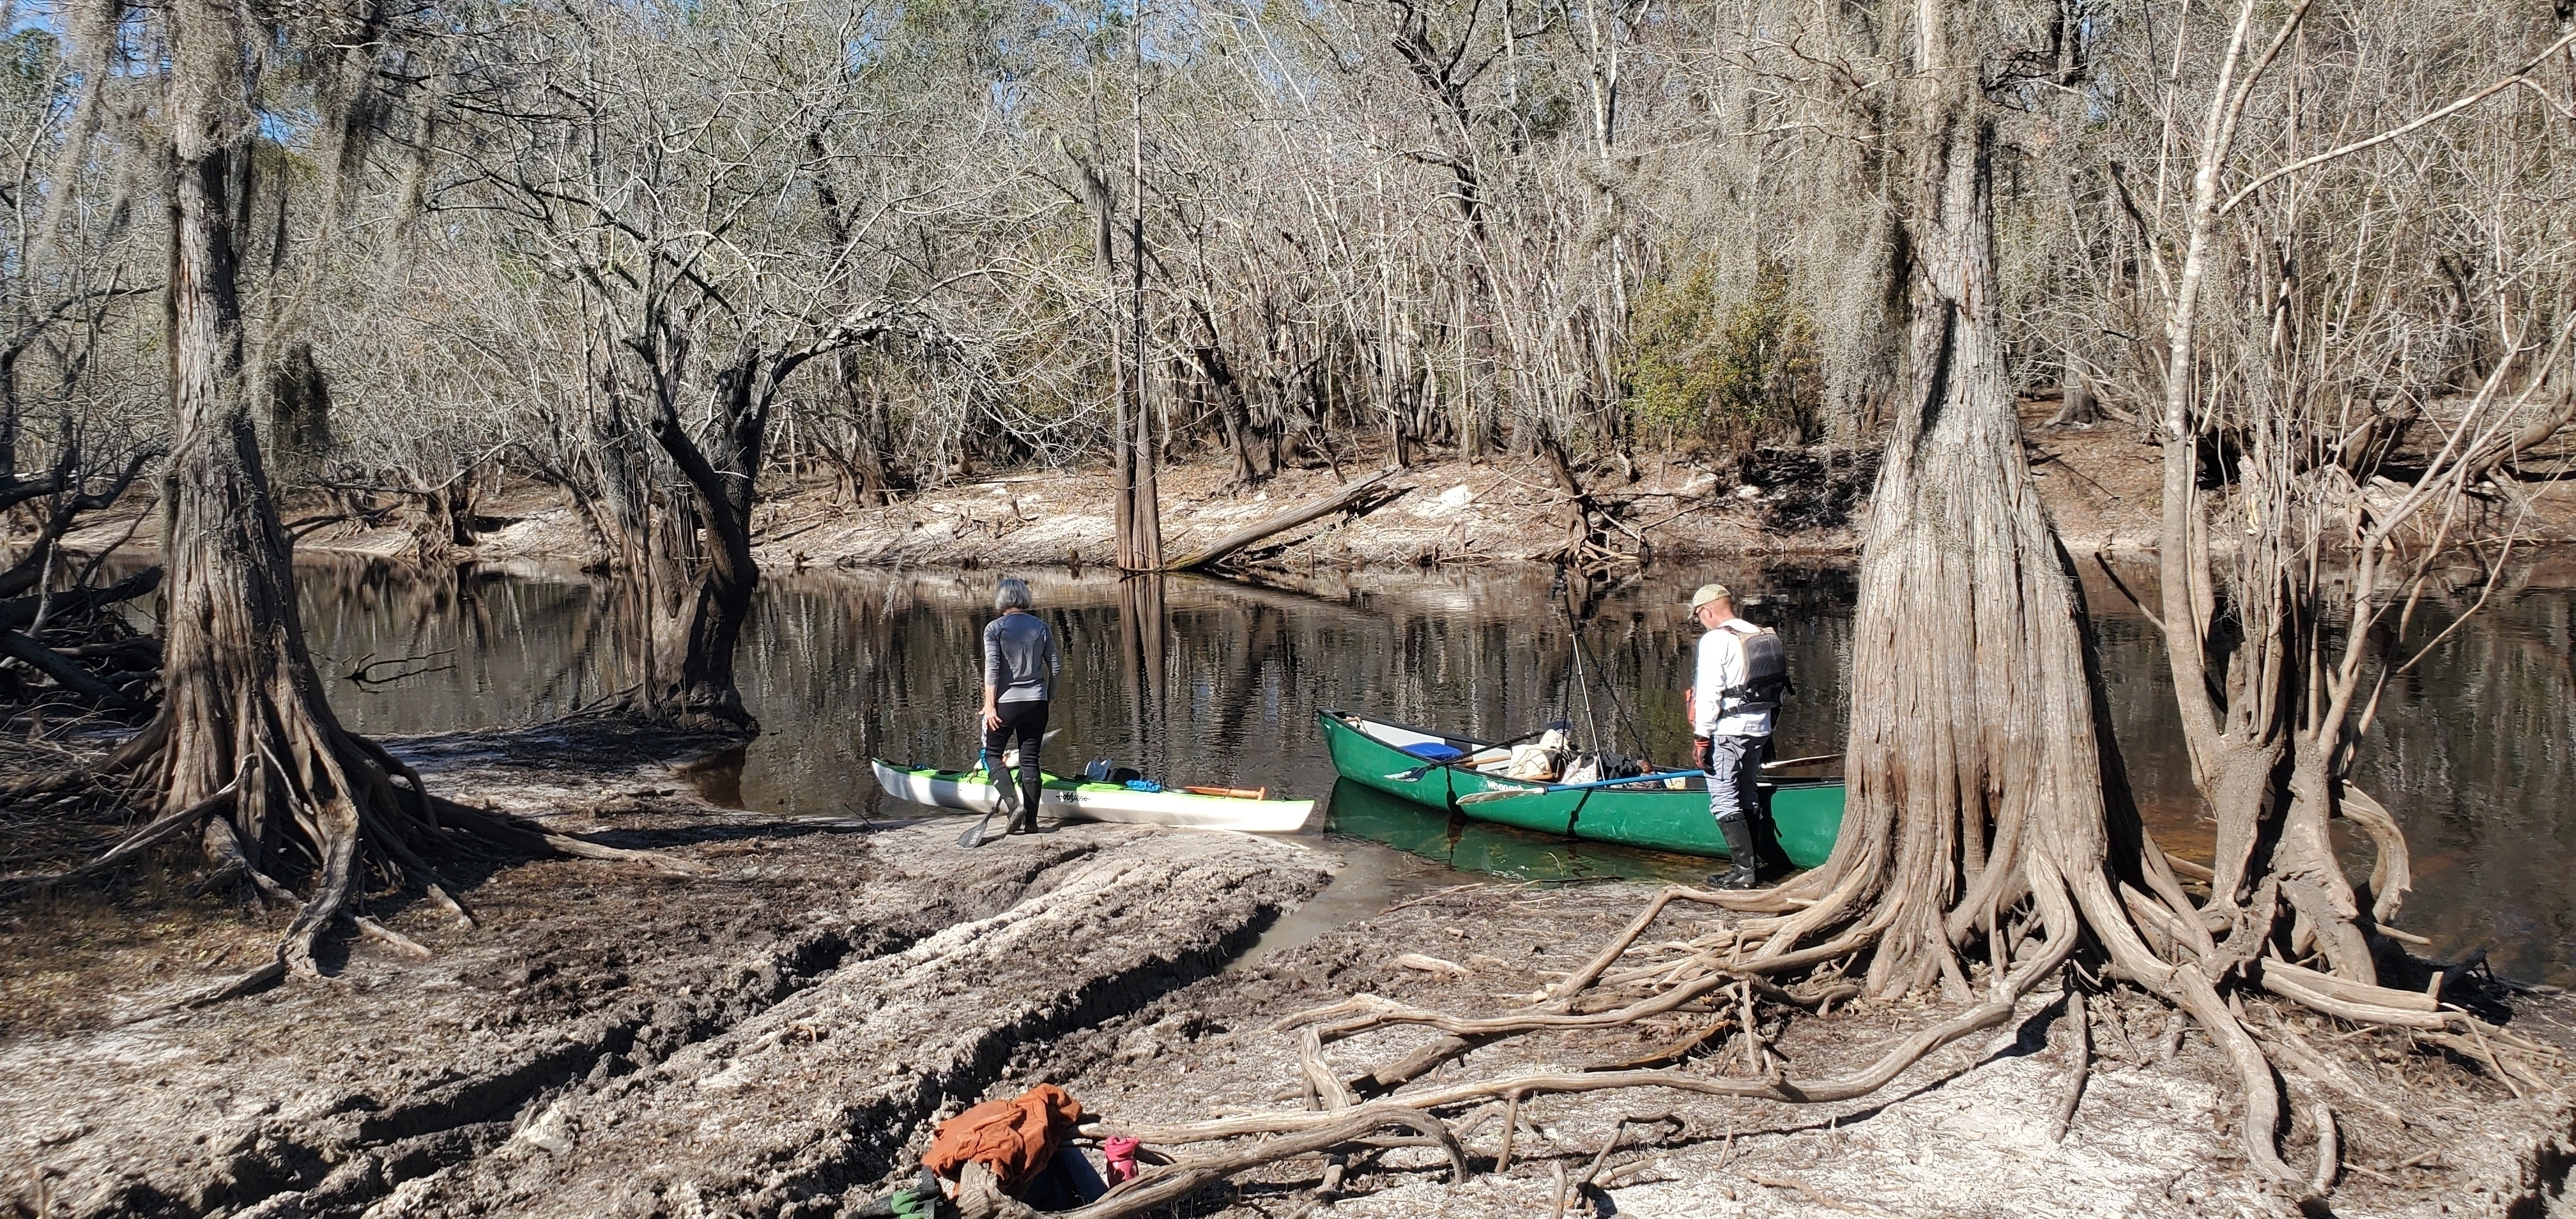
1497 850
1807 813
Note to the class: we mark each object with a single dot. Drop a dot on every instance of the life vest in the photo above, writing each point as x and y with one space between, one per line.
1015 1138
1766 673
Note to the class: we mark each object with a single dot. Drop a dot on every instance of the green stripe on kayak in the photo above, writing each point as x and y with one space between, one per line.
977 778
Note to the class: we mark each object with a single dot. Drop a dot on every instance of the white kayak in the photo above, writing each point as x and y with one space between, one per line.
1080 800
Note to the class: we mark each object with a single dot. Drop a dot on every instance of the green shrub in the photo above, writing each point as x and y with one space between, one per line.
1733 373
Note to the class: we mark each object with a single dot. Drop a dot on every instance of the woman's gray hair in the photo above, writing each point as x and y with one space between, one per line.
1012 593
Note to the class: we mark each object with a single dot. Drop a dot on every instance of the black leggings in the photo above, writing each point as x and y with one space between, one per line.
1026 721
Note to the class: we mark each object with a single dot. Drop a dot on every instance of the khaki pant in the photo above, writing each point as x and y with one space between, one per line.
1734 763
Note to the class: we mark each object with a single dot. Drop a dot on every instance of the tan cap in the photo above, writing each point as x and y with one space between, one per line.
1710 592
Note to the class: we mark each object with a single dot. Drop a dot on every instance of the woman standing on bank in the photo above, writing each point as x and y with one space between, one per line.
1020 666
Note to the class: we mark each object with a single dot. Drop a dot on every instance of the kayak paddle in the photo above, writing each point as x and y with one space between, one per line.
1506 793
1009 797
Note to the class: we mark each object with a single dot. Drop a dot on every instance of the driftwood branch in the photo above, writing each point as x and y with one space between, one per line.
519 835
1348 497
140 841
20 612
19 646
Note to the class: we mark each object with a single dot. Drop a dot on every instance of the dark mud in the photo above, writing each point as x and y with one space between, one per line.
775 1036
757 1039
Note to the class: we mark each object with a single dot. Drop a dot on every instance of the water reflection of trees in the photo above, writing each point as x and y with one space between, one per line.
1205 681
2476 751
525 646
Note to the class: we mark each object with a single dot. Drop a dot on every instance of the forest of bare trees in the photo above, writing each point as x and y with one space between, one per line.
671 260
898 242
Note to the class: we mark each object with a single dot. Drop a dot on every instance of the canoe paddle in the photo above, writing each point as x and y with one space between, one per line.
1508 793
1009 798
1806 761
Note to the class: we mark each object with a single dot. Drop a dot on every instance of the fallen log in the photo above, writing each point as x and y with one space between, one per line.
1347 497
26 649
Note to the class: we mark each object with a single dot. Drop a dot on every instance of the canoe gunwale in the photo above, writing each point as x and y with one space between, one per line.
1345 716
1337 713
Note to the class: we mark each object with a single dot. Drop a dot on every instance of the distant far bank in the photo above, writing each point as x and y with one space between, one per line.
2102 484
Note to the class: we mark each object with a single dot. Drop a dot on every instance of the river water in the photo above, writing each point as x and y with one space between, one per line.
2474 748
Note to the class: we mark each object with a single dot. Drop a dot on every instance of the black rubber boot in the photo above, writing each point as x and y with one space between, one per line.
1742 854
1025 821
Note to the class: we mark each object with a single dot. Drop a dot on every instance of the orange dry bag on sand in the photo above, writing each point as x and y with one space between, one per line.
1016 1138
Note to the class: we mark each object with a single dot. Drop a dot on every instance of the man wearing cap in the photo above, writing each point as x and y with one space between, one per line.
1735 689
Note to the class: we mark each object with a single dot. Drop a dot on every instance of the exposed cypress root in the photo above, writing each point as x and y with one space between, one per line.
2080 1065
2329 1156
979 1197
391 938
308 792
251 983
1724 969
1775 1087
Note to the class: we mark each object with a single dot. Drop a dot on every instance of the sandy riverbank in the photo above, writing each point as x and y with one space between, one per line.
776 1028
2101 483
1799 503
776 1033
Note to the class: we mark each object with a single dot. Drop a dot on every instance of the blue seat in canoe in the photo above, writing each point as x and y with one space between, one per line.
1434 751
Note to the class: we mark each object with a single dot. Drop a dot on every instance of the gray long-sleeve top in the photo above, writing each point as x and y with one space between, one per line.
1020 658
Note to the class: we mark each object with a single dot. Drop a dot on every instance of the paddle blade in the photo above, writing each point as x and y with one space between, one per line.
1006 798
1231 793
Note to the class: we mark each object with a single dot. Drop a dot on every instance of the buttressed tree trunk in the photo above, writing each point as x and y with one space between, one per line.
245 733
1979 819
1976 779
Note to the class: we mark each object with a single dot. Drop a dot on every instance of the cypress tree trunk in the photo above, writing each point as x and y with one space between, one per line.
1986 811
700 639
1979 759
245 726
